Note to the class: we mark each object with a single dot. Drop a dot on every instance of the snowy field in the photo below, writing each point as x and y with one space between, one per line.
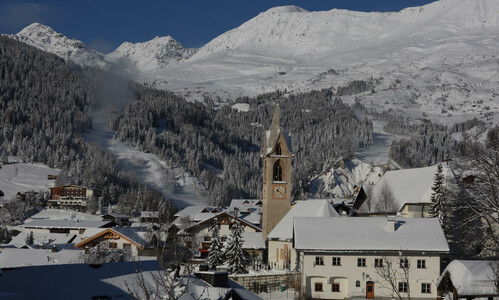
22 177
149 169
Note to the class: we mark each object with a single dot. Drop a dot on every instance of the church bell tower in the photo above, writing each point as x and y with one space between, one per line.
277 157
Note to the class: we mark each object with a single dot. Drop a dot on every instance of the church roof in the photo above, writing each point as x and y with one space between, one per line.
276 131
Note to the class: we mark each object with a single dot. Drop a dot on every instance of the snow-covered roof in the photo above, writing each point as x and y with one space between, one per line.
307 208
76 281
253 240
42 238
13 257
410 185
138 235
369 234
254 219
66 224
471 277
149 214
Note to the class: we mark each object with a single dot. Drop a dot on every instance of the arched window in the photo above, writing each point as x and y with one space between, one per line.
278 149
277 172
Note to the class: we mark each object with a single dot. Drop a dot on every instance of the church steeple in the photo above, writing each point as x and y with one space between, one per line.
276 174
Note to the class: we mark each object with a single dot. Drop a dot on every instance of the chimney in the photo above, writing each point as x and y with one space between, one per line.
54 248
214 278
390 224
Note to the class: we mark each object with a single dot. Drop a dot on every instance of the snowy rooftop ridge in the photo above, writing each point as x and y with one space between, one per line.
370 234
307 208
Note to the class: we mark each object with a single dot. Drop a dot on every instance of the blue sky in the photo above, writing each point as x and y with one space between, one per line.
105 24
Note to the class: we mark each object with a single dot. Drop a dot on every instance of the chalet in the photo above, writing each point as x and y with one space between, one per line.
118 219
254 244
71 196
64 226
411 189
149 217
134 240
344 257
281 253
470 279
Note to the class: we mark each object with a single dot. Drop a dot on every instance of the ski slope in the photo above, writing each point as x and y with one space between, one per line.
185 190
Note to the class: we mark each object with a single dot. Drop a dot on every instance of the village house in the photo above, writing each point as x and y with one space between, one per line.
281 253
136 241
64 226
344 257
254 244
470 279
71 196
149 217
411 189
118 219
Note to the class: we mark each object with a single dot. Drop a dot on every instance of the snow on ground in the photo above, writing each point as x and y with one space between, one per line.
287 294
22 177
149 169
341 179
241 107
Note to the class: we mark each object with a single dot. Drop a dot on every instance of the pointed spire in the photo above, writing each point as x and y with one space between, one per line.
276 125
276 120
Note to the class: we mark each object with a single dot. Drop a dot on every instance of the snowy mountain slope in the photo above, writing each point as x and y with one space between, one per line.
22 177
440 59
151 55
46 39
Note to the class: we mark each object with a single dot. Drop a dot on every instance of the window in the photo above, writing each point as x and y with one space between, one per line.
278 150
357 283
335 287
318 287
421 264
378 263
425 288
113 245
277 171
207 238
403 287
319 260
224 239
336 261
404 263
361 262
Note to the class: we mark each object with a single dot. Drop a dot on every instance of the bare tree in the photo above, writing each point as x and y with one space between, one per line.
494 265
385 200
481 159
393 273
368 205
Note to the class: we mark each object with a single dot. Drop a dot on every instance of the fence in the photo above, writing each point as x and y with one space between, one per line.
267 283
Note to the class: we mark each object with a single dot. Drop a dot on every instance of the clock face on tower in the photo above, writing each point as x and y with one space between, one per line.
279 192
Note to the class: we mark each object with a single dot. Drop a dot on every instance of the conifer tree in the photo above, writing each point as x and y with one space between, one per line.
234 250
437 196
215 256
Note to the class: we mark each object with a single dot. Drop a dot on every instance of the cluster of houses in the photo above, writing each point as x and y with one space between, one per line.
337 251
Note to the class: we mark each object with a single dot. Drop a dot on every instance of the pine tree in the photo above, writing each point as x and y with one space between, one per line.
30 240
215 256
437 196
234 251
